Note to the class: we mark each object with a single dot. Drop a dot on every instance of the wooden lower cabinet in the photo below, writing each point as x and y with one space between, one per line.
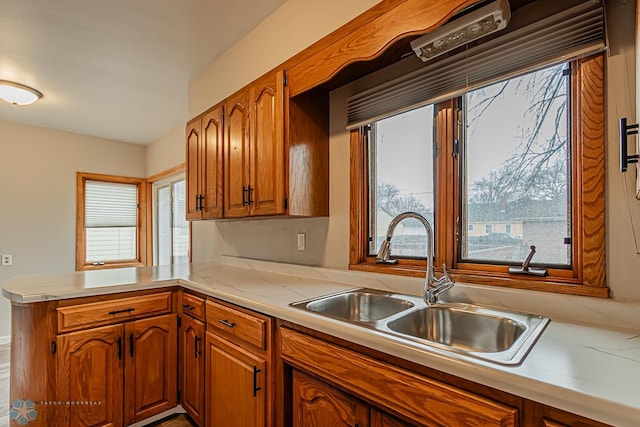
236 386
151 376
416 398
382 419
90 370
192 343
117 375
316 404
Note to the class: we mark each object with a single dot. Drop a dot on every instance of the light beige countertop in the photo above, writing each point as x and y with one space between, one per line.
578 365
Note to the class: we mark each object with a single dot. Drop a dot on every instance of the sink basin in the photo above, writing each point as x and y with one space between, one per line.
461 329
358 306
495 335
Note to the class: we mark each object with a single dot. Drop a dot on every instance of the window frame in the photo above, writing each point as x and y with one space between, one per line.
141 223
168 174
588 274
169 183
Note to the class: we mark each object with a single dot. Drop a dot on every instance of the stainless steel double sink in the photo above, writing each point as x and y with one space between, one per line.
498 336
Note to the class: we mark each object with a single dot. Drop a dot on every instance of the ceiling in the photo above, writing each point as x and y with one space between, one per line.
116 69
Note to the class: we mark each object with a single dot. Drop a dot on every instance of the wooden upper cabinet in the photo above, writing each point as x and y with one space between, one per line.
638 93
236 165
150 367
255 154
267 172
212 163
204 143
194 169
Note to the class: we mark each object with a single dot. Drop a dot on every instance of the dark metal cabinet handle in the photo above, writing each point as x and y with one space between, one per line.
119 348
198 339
188 307
256 371
249 191
131 345
126 310
245 195
226 323
625 131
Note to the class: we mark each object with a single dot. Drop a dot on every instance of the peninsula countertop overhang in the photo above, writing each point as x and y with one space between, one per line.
589 370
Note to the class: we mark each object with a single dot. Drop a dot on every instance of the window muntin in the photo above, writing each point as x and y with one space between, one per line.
516 166
401 179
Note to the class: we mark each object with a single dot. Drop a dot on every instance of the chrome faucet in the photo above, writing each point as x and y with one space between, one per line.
432 287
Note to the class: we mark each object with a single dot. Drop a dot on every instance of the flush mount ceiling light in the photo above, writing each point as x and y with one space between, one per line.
478 23
18 94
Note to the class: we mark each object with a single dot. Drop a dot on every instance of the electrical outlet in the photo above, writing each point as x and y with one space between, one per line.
302 241
7 260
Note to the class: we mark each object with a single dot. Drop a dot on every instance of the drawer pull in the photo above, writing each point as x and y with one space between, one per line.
188 307
226 323
256 371
126 310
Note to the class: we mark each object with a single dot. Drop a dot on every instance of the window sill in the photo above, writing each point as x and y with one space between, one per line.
560 285
109 265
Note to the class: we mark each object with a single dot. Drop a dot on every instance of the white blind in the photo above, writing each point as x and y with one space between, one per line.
109 204
573 33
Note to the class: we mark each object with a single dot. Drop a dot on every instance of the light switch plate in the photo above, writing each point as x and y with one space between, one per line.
7 260
302 241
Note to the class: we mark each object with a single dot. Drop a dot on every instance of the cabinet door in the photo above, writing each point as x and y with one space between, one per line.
89 373
236 386
316 404
150 366
194 169
267 145
236 165
192 347
212 164
382 419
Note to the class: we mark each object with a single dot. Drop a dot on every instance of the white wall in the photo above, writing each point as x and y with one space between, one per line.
167 152
289 30
300 22
38 195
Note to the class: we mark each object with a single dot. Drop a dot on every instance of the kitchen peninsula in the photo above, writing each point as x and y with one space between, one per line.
559 372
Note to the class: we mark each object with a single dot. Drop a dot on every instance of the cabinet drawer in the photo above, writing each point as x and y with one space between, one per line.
193 306
100 313
238 326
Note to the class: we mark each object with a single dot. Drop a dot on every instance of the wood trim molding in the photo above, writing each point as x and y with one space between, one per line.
358 207
591 170
148 241
366 37
142 224
167 173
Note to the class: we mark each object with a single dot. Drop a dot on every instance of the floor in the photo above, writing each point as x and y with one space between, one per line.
4 385
178 421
